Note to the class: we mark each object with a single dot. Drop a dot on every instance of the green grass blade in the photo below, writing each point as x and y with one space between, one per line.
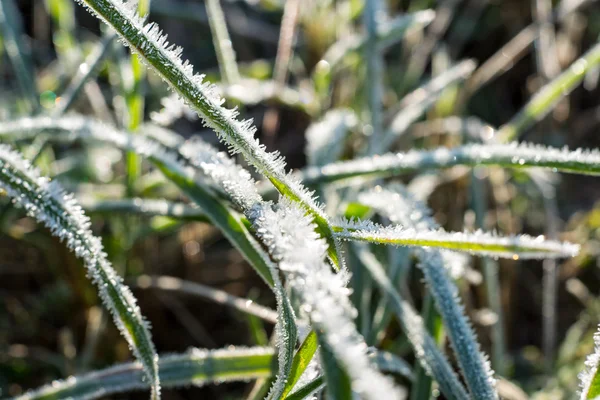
50 205
478 242
547 97
301 360
196 367
512 155
149 43
308 389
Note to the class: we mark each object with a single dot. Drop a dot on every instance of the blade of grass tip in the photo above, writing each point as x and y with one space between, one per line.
425 347
511 155
222 42
84 73
196 367
169 283
478 242
148 42
414 104
303 356
549 95
12 37
373 13
49 204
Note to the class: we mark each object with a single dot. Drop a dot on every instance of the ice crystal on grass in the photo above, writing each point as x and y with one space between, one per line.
478 242
291 239
48 203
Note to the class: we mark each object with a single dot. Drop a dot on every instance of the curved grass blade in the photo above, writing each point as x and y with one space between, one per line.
547 97
478 242
49 204
195 367
149 43
512 155
310 388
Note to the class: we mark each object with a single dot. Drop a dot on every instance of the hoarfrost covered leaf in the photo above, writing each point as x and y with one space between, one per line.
478 242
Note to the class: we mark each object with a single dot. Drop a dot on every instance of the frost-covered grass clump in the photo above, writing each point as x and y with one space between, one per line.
334 242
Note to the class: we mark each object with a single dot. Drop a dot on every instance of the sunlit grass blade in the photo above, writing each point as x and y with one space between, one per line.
547 97
478 242
512 155
49 204
301 360
151 45
169 283
196 367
